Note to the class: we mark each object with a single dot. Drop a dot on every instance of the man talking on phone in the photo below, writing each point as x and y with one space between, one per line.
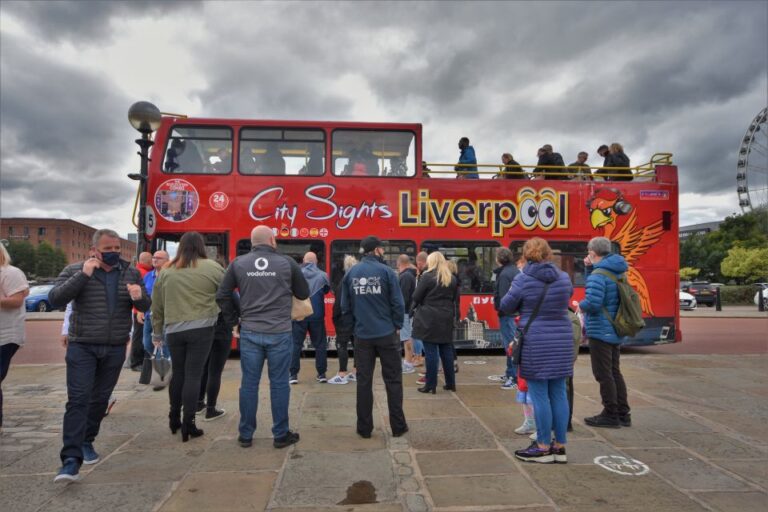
103 290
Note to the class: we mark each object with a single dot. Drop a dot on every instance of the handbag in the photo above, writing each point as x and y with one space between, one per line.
517 339
300 309
146 371
161 369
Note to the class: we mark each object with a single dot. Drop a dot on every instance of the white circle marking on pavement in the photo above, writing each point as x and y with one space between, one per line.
622 465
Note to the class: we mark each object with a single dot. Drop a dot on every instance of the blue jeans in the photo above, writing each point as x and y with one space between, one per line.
436 352
255 348
418 347
92 373
550 406
507 327
319 341
149 348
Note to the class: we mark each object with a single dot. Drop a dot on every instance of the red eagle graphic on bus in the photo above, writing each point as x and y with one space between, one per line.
605 206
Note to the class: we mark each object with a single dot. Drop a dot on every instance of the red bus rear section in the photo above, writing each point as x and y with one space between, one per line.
324 186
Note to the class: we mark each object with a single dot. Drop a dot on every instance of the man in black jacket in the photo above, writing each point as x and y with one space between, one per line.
103 291
371 295
505 274
407 279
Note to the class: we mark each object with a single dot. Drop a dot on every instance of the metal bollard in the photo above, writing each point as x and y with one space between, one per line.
761 300
718 304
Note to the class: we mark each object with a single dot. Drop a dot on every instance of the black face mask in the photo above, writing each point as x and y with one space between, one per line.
110 258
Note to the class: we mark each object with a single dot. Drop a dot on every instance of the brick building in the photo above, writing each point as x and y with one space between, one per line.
68 235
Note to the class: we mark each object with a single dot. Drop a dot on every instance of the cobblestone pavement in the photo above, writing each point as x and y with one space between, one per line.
698 442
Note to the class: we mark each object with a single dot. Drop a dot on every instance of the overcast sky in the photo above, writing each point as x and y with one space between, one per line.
685 78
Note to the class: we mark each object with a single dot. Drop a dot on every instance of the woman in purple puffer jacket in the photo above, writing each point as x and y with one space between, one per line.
547 356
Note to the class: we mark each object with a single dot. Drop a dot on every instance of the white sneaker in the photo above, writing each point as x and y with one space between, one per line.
526 428
293 379
351 377
338 379
533 437
408 367
509 384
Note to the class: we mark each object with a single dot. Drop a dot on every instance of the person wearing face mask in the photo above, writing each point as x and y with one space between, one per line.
103 291
371 296
267 281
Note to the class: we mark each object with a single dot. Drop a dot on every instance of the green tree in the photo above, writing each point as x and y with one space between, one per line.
49 260
744 264
689 273
23 255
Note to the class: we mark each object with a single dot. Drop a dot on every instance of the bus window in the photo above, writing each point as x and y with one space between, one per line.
568 256
278 151
475 262
296 249
199 150
374 153
341 248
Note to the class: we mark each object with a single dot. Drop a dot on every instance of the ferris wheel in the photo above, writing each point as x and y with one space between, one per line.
752 168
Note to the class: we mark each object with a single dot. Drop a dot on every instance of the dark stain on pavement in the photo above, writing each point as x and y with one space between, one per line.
359 493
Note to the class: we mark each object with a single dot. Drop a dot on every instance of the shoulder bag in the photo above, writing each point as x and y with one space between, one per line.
516 349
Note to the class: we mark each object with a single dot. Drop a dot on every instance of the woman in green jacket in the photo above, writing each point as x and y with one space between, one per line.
184 309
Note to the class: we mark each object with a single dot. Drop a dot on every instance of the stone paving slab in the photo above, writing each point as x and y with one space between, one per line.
756 471
225 454
235 492
730 501
356 477
481 462
486 490
687 472
449 434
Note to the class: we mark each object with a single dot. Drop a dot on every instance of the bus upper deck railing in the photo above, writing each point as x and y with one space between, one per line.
563 172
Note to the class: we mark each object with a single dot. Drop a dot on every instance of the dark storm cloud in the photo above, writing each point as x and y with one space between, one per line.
85 21
63 132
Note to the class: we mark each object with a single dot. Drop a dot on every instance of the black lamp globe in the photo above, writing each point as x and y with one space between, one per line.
144 117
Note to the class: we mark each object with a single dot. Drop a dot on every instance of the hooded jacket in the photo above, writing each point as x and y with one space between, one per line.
319 286
467 156
602 292
504 277
548 344
371 295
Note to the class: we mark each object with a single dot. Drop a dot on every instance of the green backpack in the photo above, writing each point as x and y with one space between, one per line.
629 317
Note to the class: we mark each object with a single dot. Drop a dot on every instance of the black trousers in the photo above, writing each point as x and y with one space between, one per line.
136 356
210 381
189 351
344 340
92 373
387 349
6 353
605 368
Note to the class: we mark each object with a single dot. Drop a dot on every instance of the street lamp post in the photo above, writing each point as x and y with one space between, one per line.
144 117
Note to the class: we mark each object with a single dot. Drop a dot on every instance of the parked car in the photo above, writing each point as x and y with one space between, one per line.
765 295
704 292
684 285
37 300
687 301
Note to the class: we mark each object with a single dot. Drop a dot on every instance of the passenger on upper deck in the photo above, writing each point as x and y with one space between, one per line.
273 161
553 158
580 169
509 172
183 156
425 170
615 157
225 161
467 156
314 166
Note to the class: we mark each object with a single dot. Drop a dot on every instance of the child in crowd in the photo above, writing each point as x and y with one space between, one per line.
529 423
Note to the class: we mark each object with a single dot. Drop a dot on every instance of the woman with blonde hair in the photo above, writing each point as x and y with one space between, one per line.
345 338
13 290
436 303
541 294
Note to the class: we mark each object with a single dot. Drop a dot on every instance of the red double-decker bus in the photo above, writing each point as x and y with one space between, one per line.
323 186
